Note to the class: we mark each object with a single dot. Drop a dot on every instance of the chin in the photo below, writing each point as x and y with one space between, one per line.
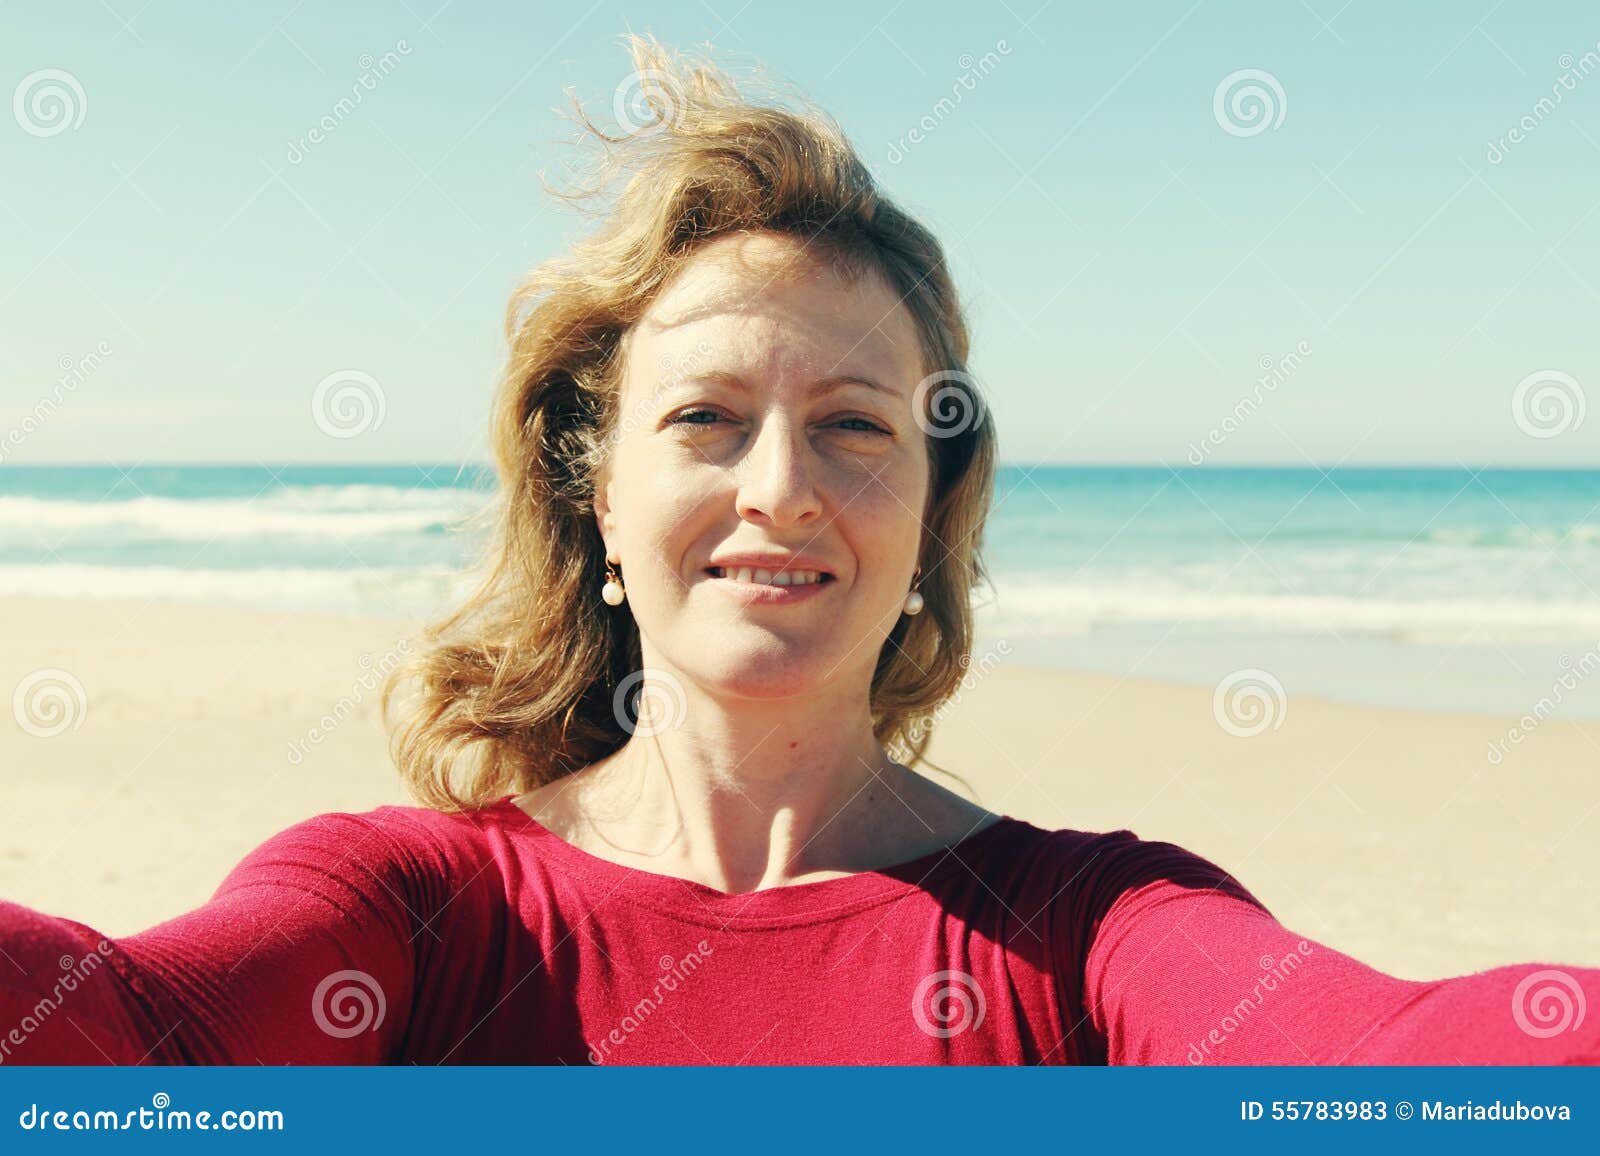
765 671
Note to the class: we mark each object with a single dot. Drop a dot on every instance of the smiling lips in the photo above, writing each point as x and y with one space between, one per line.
755 585
769 577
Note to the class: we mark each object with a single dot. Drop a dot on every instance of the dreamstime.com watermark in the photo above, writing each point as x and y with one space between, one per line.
1273 973
646 100
372 71
673 973
73 972
347 403
1573 69
74 373
1276 373
976 672
1249 102
348 1003
1249 702
49 702
947 403
1573 673
159 1117
1548 403
948 1003
972 71
1547 1003
648 702
370 682
671 372
49 102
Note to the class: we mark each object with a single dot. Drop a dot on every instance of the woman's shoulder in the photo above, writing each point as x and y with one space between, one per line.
1089 870
388 841
1042 851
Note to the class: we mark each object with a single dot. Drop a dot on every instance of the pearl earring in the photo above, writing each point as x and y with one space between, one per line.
914 601
612 591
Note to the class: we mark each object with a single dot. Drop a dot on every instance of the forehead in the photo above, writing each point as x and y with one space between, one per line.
760 300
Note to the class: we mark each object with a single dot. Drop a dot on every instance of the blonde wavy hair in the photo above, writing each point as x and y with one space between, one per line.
517 687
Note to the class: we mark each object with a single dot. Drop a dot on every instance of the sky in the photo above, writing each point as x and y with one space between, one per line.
1387 250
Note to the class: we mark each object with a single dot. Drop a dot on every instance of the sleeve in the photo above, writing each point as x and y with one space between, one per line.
303 955
1185 966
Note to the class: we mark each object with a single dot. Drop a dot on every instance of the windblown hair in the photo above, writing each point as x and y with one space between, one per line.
516 687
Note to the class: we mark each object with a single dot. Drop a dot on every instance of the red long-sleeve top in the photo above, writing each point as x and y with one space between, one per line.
403 934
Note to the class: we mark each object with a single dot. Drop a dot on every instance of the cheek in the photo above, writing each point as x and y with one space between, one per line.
901 483
670 510
899 478
883 525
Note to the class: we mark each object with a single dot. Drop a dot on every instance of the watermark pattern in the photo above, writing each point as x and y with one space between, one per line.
948 1003
673 371
1574 672
1548 403
156 1118
1572 71
1275 373
348 403
1273 973
673 973
373 674
955 407
922 724
372 71
1248 702
73 972
49 102
74 372
1249 102
1547 1003
49 702
348 1003
972 71
648 702
645 101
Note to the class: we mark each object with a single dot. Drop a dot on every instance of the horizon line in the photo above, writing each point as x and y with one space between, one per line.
434 464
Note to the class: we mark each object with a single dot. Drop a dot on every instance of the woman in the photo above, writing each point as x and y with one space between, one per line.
663 751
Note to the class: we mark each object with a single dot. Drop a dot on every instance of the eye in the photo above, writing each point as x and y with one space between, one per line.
694 416
683 417
871 427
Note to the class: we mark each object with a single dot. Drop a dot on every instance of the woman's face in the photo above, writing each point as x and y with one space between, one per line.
748 426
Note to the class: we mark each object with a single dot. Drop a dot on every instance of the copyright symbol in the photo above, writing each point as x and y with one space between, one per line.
1402 1110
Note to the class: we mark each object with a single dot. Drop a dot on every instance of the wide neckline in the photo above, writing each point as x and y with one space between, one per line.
792 904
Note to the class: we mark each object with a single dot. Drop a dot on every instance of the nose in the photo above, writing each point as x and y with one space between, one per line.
775 478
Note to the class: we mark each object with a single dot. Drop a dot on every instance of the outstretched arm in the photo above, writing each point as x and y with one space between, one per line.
1185 966
303 955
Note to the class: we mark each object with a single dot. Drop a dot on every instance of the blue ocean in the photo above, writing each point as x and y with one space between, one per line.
1441 589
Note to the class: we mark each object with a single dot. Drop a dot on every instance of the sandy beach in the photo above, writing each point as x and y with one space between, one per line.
1387 834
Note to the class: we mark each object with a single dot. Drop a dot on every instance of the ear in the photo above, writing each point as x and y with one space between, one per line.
605 519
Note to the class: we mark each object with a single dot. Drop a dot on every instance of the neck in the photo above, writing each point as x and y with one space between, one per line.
749 794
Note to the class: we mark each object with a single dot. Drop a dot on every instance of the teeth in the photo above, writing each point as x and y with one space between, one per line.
768 577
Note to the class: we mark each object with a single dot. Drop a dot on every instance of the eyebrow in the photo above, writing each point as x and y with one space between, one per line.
816 389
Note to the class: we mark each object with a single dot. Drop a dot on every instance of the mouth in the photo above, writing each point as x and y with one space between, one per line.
752 576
